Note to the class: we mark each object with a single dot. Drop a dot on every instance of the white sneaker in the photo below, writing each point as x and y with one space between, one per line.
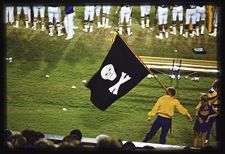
69 37
212 34
172 33
129 34
61 34
43 28
85 30
50 34
107 26
91 30
99 26
167 34
159 36
15 26
185 35
34 28
192 34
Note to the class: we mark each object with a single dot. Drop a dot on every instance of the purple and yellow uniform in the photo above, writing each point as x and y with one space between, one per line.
201 123
165 108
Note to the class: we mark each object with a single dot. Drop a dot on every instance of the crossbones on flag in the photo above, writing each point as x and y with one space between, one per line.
119 73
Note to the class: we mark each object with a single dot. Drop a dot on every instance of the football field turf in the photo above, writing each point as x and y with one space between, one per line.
36 102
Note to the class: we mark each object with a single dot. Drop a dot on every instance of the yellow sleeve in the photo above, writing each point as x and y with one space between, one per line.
155 109
181 109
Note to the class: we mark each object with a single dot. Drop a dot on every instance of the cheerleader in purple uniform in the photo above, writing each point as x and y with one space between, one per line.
202 123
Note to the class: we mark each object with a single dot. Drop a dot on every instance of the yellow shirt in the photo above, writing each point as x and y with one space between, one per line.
165 107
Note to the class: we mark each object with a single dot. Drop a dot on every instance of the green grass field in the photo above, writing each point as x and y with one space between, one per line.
35 102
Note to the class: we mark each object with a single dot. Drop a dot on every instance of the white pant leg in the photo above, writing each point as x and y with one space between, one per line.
180 13
188 16
50 14
122 16
127 17
160 15
165 15
25 10
6 15
193 16
203 13
98 10
174 13
91 14
42 11
106 9
35 10
66 24
70 24
29 14
142 10
18 10
57 16
86 14
147 9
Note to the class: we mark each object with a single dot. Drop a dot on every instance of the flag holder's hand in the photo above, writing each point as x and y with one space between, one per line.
149 119
190 119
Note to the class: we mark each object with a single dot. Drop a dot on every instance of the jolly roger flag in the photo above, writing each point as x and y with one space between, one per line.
119 73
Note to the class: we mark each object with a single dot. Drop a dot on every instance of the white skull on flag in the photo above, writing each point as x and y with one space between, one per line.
108 72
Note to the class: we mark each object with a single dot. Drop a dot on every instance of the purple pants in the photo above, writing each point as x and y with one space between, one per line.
165 123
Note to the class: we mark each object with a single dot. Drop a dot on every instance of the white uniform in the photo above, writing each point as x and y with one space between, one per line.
9 12
190 17
200 17
54 12
41 10
145 15
105 16
177 13
125 13
26 11
162 14
89 11
97 13
68 21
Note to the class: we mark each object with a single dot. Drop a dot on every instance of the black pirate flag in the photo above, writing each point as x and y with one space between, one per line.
119 73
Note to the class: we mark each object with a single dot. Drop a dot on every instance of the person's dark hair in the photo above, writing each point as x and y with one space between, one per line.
171 91
129 146
40 135
31 136
77 132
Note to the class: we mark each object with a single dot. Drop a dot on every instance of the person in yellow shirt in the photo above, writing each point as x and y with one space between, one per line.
164 107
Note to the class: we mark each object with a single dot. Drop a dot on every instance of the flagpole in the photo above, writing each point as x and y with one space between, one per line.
150 72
